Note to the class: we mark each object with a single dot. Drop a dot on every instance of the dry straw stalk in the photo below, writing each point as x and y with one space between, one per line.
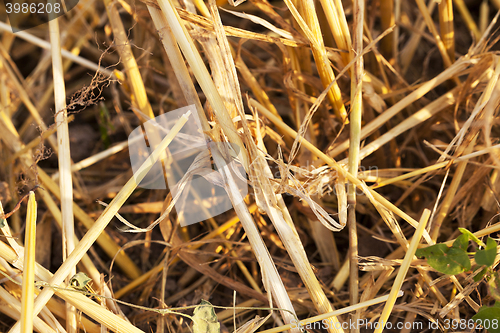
99 225
446 27
28 292
398 282
433 141
311 28
12 139
355 141
81 302
136 84
331 162
64 159
168 33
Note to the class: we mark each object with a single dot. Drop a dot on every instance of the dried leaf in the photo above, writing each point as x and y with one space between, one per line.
205 319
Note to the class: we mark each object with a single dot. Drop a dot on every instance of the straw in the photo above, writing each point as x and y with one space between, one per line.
28 293
398 282
331 134
355 142
64 159
99 225
446 27
322 317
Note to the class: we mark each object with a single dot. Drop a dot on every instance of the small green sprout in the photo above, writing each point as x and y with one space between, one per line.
455 260
80 281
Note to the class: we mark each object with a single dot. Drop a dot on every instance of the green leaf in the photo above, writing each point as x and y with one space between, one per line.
433 250
2 223
446 260
472 236
462 242
480 275
487 256
80 281
204 318
494 286
489 318
105 125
